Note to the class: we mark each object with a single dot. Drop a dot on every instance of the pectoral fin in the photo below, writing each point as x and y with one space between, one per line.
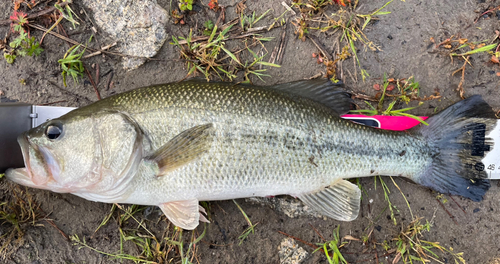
184 214
184 148
341 200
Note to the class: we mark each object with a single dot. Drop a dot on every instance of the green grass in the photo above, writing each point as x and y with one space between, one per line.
19 208
473 51
408 91
190 250
332 247
209 56
186 5
81 243
170 246
345 20
248 22
22 45
71 64
250 68
205 57
67 13
408 245
106 219
378 12
251 227
386 190
411 248
463 48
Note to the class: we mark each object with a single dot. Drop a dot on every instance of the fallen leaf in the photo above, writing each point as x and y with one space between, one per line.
396 258
498 74
17 4
376 87
390 87
349 237
214 5
494 59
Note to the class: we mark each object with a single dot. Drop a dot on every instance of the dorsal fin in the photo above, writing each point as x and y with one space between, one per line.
332 95
322 91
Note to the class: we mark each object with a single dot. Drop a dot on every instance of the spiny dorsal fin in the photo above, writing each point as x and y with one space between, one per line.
332 95
184 148
322 91
341 200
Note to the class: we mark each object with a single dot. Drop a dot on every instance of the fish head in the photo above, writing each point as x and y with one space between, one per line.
79 153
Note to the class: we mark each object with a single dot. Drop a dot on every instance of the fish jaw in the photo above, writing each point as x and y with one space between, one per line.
38 173
24 144
21 176
42 167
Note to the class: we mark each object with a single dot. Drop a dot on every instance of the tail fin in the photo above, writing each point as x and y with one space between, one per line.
458 134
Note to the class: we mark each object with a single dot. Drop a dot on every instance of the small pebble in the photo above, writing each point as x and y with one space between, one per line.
290 253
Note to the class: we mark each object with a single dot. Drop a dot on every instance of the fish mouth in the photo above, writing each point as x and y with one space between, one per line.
25 145
38 161
21 176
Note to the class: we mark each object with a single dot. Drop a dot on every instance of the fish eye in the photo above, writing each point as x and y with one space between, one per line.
54 130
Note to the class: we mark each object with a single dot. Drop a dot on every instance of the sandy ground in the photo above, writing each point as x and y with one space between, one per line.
405 39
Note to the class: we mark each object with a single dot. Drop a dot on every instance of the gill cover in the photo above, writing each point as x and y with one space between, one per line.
119 145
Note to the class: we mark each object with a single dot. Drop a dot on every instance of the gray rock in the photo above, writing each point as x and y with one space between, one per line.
290 253
138 27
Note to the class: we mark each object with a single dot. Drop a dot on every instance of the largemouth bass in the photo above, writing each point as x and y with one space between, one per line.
176 144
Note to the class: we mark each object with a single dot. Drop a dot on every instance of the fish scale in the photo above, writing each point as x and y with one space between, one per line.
176 144
282 165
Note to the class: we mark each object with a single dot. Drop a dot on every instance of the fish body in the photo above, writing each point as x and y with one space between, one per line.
176 144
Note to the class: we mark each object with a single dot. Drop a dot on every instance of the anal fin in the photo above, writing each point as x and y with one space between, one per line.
184 214
340 201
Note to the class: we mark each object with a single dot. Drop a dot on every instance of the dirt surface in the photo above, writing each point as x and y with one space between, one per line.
406 50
